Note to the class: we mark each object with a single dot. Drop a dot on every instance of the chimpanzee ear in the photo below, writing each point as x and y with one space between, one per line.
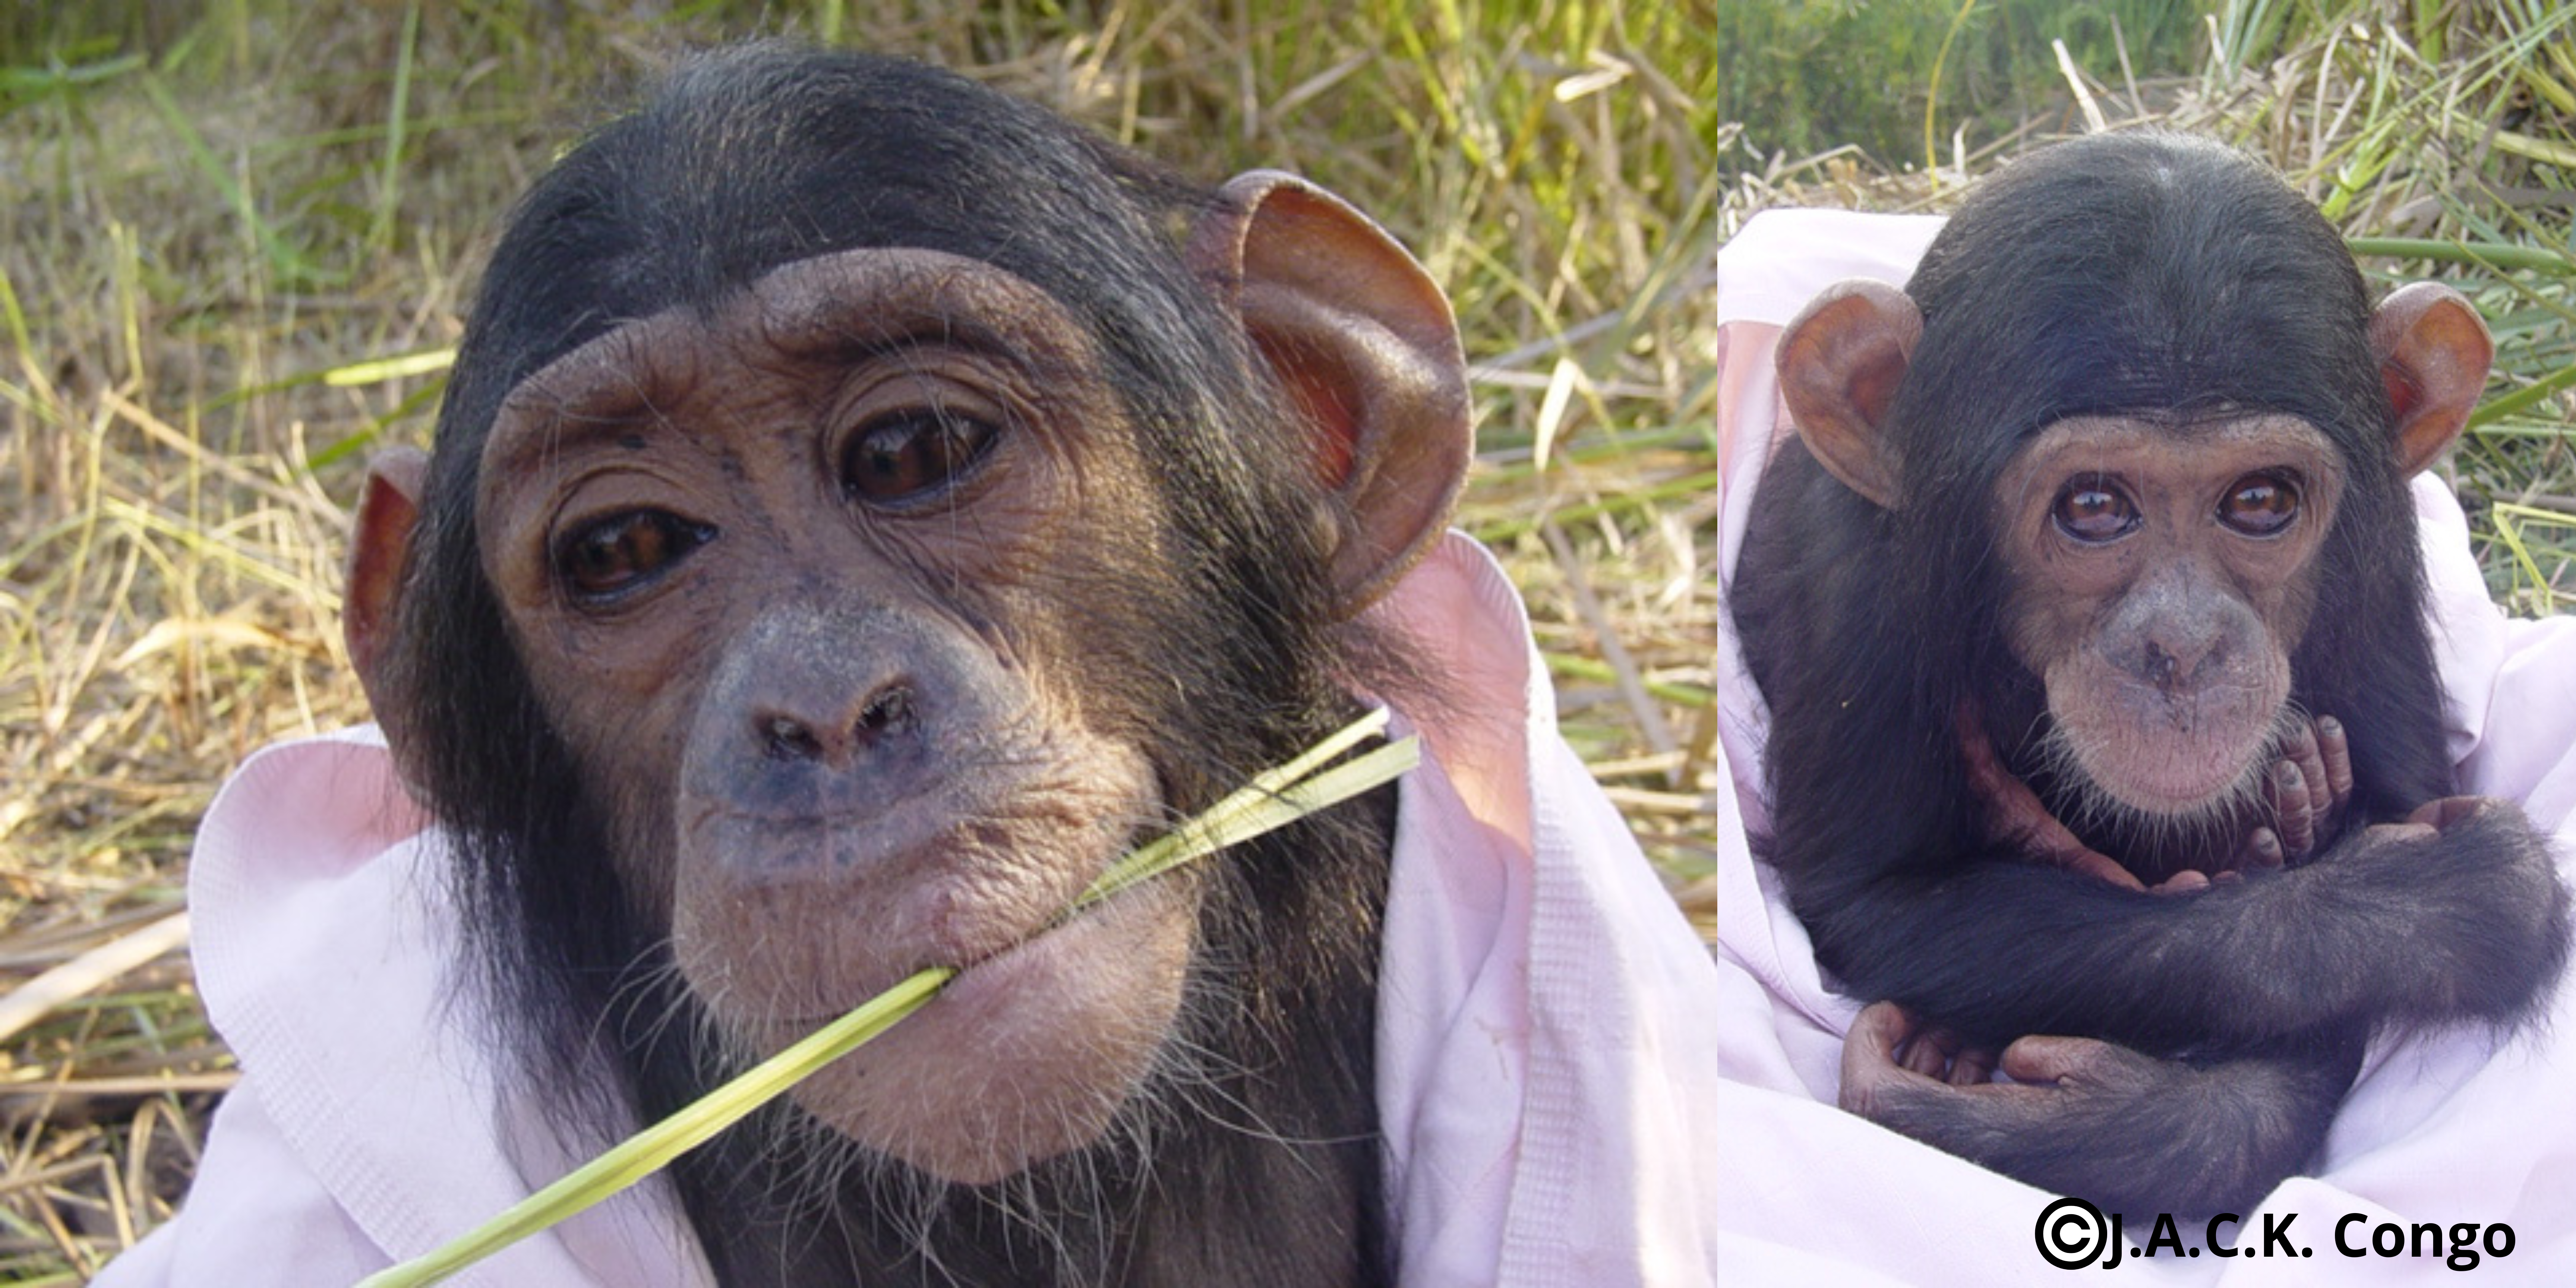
387 513
1840 361
1363 343
2433 353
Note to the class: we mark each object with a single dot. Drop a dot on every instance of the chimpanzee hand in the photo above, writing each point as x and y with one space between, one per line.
2082 1116
1887 1051
2307 791
1893 1065
2387 842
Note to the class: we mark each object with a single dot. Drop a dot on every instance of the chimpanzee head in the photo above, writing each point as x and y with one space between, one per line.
864 505
2147 440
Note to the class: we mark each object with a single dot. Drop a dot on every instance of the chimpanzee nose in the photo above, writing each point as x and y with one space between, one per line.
2185 654
2175 629
839 738
838 712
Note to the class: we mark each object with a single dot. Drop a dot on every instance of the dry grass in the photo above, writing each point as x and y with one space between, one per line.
205 245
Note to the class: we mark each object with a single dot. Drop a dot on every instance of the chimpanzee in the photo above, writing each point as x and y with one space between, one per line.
851 528
2091 570
863 507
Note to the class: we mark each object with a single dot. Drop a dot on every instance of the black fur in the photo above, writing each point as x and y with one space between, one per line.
2153 276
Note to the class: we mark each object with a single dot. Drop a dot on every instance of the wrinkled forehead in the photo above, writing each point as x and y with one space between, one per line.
829 309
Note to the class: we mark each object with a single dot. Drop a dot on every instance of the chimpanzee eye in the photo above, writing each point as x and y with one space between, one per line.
602 560
2094 510
2259 505
913 453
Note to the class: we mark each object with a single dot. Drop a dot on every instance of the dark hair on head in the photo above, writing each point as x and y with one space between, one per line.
762 155
2127 273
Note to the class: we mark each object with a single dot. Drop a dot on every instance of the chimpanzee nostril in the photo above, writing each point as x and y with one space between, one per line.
888 714
787 738
810 732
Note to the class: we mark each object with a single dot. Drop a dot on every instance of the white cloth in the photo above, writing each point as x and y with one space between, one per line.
1547 1076
2444 1126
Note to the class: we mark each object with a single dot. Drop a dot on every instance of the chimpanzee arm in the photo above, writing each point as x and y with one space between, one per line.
2000 947
2127 1131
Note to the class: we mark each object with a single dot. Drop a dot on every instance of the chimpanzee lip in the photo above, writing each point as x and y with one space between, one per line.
976 944
2211 780
992 971
1055 921
984 971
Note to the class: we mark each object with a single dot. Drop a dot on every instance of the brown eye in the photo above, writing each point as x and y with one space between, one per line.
2094 511
603 560
2259 505
912 454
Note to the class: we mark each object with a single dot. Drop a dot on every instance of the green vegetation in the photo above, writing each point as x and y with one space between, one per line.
1809 77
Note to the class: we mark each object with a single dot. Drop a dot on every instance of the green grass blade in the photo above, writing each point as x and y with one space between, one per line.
380 231
2490 255
1243 816
2541 390
1273 799
1157 855
653 1148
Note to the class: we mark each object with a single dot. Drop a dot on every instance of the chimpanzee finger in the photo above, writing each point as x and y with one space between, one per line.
2262 850
1871 1044
2307 751
2301 749
1972 1066
2187 881
2099 866
2013 814
1871 1077
2076 1063
2336 751
2295 805
2447 811
1928 1052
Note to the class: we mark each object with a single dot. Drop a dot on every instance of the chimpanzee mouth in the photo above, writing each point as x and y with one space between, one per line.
1083 923
2195 787
1082 907
1071 920
2202 792
1048 977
